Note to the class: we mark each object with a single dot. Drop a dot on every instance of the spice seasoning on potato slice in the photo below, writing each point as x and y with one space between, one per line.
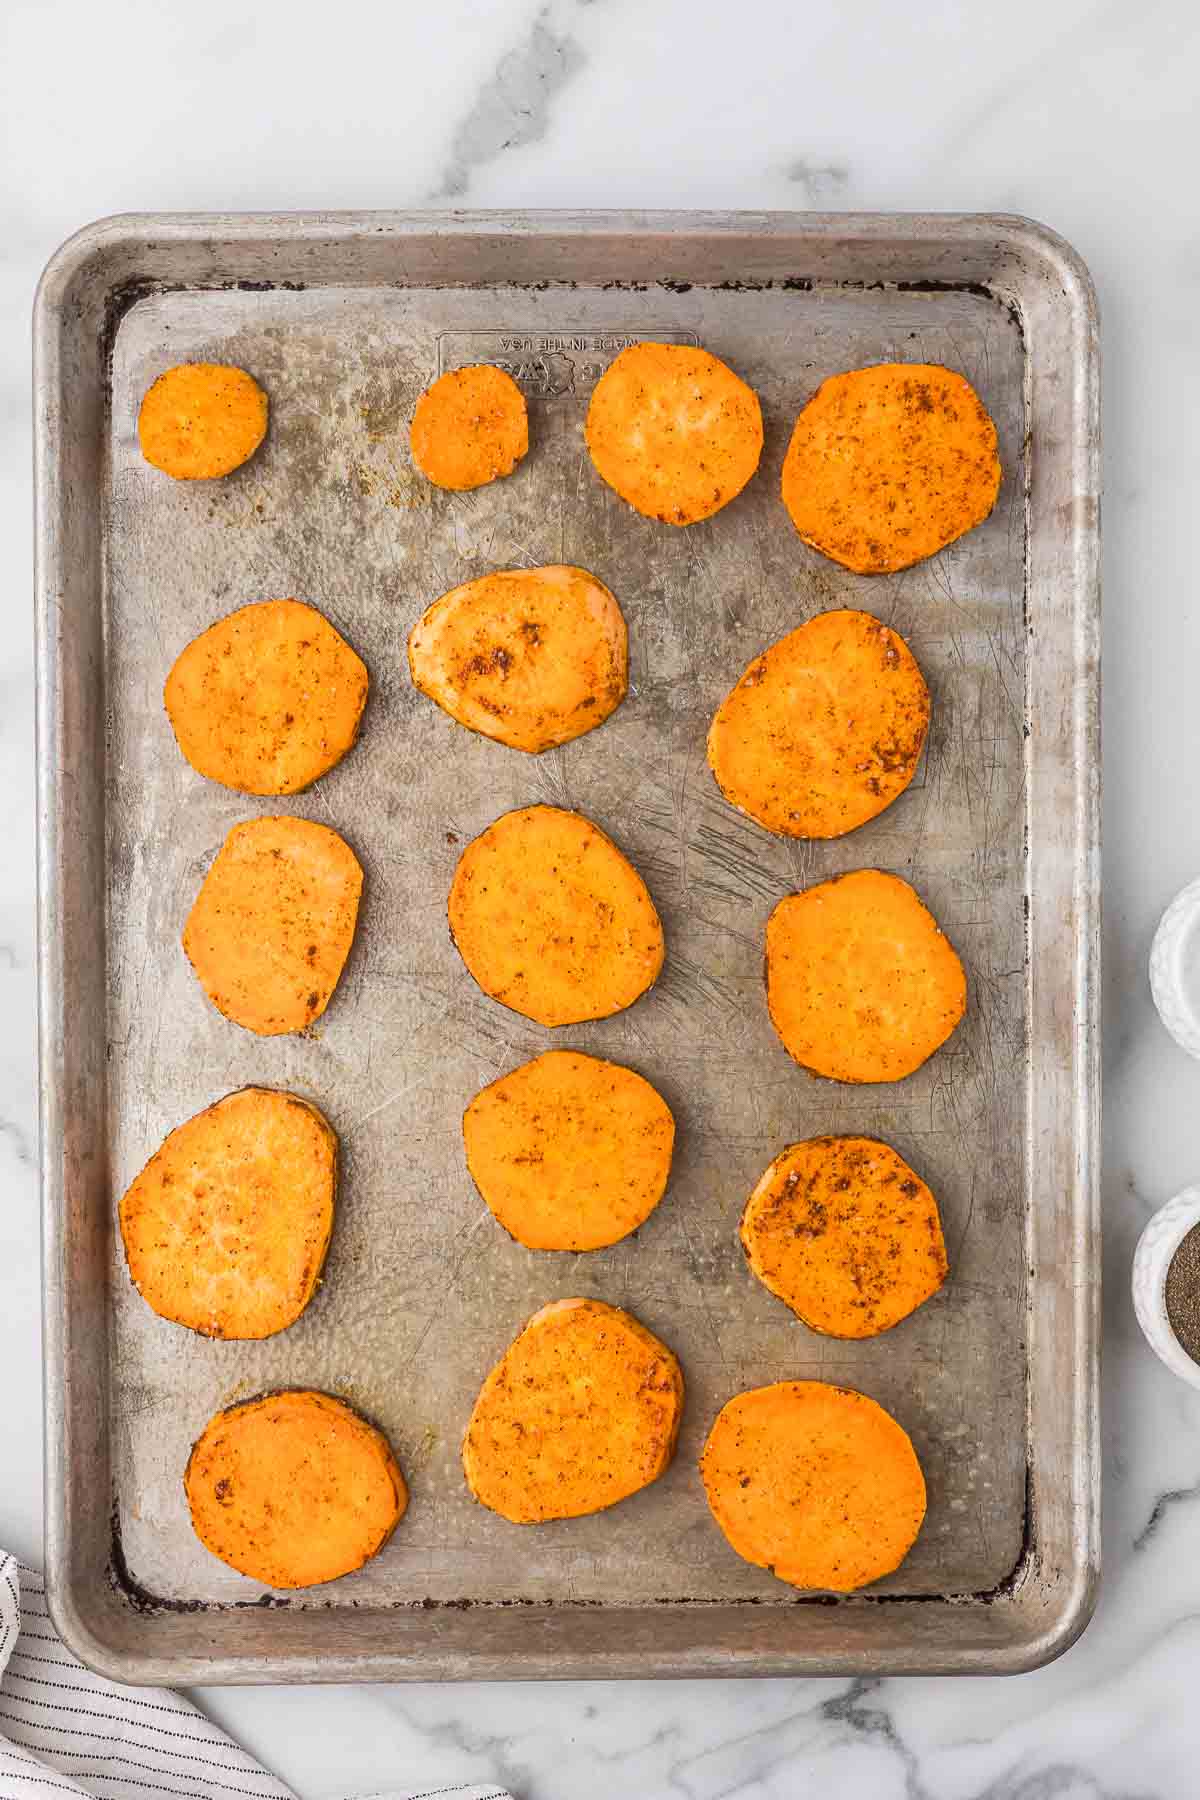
570 1153
846 1234
268 699
202 420
293 1488
469 427
581 1411
816 1483
530 657
890 464
674 431
551 920
824 729
226 1228
862 983
273 923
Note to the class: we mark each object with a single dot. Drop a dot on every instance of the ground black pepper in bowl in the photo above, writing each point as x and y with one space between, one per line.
1183 1293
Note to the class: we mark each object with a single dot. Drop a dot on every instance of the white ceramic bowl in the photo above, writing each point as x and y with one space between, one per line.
1175 969
1157 1245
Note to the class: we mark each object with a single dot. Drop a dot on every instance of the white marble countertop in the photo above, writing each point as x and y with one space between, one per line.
1083 115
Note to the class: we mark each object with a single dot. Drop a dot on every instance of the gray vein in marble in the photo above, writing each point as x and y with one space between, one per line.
1160 1509
20 1142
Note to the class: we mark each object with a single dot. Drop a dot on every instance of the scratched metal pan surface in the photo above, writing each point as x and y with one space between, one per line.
344 319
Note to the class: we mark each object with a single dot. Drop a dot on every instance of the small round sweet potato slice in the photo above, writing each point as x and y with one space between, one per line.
824 729
890 464
862 983
201 420
226 1227
846 1234
268 699
273 923
551 919
674 431
293 1488
470 427
570 1153
530 657
581 1411
816 1483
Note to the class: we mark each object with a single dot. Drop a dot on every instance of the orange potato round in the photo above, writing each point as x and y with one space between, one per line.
581 1411
890 464
529 657
570 1153
201 420
862 983
674 431
226 1228
268 699
469 427
824 729
293 1488
551 920
816 1483
845 1233
272 925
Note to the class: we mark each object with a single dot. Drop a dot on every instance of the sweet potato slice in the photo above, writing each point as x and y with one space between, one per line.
862 984
293 1488
268 699
226 1227
551 919
201 420
824 729
581 1411
469 427
569 1152
846 1234
530 657
890 464
674 431
272 926
816 1483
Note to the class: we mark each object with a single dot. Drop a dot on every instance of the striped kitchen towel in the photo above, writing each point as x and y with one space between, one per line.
64 1730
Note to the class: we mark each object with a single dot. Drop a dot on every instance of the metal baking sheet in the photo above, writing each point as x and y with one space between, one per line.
344 320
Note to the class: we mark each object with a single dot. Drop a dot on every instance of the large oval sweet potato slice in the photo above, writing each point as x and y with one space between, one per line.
272 925
846 1234
226 1227
569 1152
470 427
530 657
201 420
816 1483
824 729
862 983
674 431
293 1488
552 920
581 1411
268 699
890 464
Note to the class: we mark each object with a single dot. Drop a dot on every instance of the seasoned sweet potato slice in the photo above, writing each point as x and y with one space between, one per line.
824 729
674 431
581 1411
569 1152
890 464
469 427
846 1234
226 1227
816 1483
293 1488
862 983
201 420
530 657
268 699
551 919
272 925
